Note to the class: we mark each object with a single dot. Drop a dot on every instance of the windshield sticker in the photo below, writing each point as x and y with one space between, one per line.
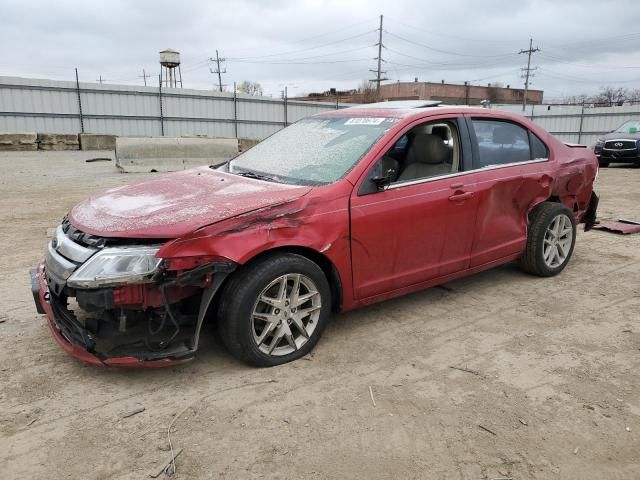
365 121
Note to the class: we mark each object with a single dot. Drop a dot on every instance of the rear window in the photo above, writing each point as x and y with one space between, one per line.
538 149
502 142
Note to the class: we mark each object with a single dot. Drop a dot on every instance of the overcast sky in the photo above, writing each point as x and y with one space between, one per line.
314 45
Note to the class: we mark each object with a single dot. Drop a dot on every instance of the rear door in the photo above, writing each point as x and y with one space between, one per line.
511 167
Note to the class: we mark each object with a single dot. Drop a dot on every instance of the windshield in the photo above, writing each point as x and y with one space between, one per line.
313 151
632 126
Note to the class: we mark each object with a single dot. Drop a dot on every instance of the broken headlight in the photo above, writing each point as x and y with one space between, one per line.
113 266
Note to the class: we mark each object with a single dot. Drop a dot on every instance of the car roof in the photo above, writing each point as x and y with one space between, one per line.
409 109
401 104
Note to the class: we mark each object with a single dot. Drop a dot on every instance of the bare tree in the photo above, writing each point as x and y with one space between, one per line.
578 99
611 96
367 91
633 95
250 88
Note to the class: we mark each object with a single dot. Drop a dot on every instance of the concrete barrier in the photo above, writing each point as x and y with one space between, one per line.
94 141
58 141
246 143
166 154
18 142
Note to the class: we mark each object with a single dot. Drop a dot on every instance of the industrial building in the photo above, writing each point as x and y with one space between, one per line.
451 93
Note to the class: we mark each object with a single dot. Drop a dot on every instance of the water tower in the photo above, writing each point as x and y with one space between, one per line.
170 74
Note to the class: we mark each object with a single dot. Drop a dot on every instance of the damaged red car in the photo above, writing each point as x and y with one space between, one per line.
336 211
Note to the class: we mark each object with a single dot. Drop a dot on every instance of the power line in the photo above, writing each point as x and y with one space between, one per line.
527 71
217 70
368 32
302 63
379 73
446 52
423 31
294 60
568 61
589 43
301 40
550 73
443 64
198 64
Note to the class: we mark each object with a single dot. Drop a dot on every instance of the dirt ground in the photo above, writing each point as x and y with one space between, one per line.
552 388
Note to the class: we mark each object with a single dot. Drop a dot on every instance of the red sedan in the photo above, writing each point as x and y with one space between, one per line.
339 210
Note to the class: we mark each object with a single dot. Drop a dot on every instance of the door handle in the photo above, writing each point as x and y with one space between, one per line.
459 197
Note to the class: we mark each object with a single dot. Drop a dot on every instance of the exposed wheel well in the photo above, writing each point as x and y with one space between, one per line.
330 271
572 205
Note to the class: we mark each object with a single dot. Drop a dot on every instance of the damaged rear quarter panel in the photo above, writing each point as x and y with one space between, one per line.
573 171
505 197
508 193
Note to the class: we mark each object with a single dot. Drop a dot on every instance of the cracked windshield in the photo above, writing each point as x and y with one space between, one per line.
313 151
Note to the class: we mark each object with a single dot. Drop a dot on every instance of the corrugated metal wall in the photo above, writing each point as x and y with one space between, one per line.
575 123
49 106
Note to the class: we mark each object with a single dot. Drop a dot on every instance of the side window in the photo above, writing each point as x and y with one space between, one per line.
538 149
501 142
428 150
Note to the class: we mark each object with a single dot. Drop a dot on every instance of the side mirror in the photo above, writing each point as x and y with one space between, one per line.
382 181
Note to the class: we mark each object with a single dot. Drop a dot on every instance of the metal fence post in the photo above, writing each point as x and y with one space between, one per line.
285 106
160 100
235 110
581 123
532 107
79 103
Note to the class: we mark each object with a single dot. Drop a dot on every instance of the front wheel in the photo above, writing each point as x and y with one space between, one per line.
550 241
273 311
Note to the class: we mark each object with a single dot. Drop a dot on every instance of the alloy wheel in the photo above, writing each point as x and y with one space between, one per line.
557 241
286 314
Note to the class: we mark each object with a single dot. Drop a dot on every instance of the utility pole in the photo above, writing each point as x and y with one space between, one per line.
144 76
379 73
217 70
527 71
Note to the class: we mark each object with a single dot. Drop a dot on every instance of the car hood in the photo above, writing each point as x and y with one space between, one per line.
621 136
175 204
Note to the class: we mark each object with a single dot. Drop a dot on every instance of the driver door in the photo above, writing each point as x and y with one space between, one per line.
420 227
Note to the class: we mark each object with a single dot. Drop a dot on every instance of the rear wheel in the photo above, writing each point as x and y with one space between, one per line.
274 311
550 241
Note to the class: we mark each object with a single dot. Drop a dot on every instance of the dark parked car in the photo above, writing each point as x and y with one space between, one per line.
620 146
340 210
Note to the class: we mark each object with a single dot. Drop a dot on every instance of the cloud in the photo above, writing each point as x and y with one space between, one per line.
313 45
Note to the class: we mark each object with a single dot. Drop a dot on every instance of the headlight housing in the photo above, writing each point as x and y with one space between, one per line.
117 265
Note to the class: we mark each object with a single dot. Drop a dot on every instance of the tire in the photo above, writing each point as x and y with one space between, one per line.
253 312
539 257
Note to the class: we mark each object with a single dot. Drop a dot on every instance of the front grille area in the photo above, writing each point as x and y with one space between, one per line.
84 239
620 145
64 254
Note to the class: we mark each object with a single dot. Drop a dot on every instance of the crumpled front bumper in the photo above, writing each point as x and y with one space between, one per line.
42 298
